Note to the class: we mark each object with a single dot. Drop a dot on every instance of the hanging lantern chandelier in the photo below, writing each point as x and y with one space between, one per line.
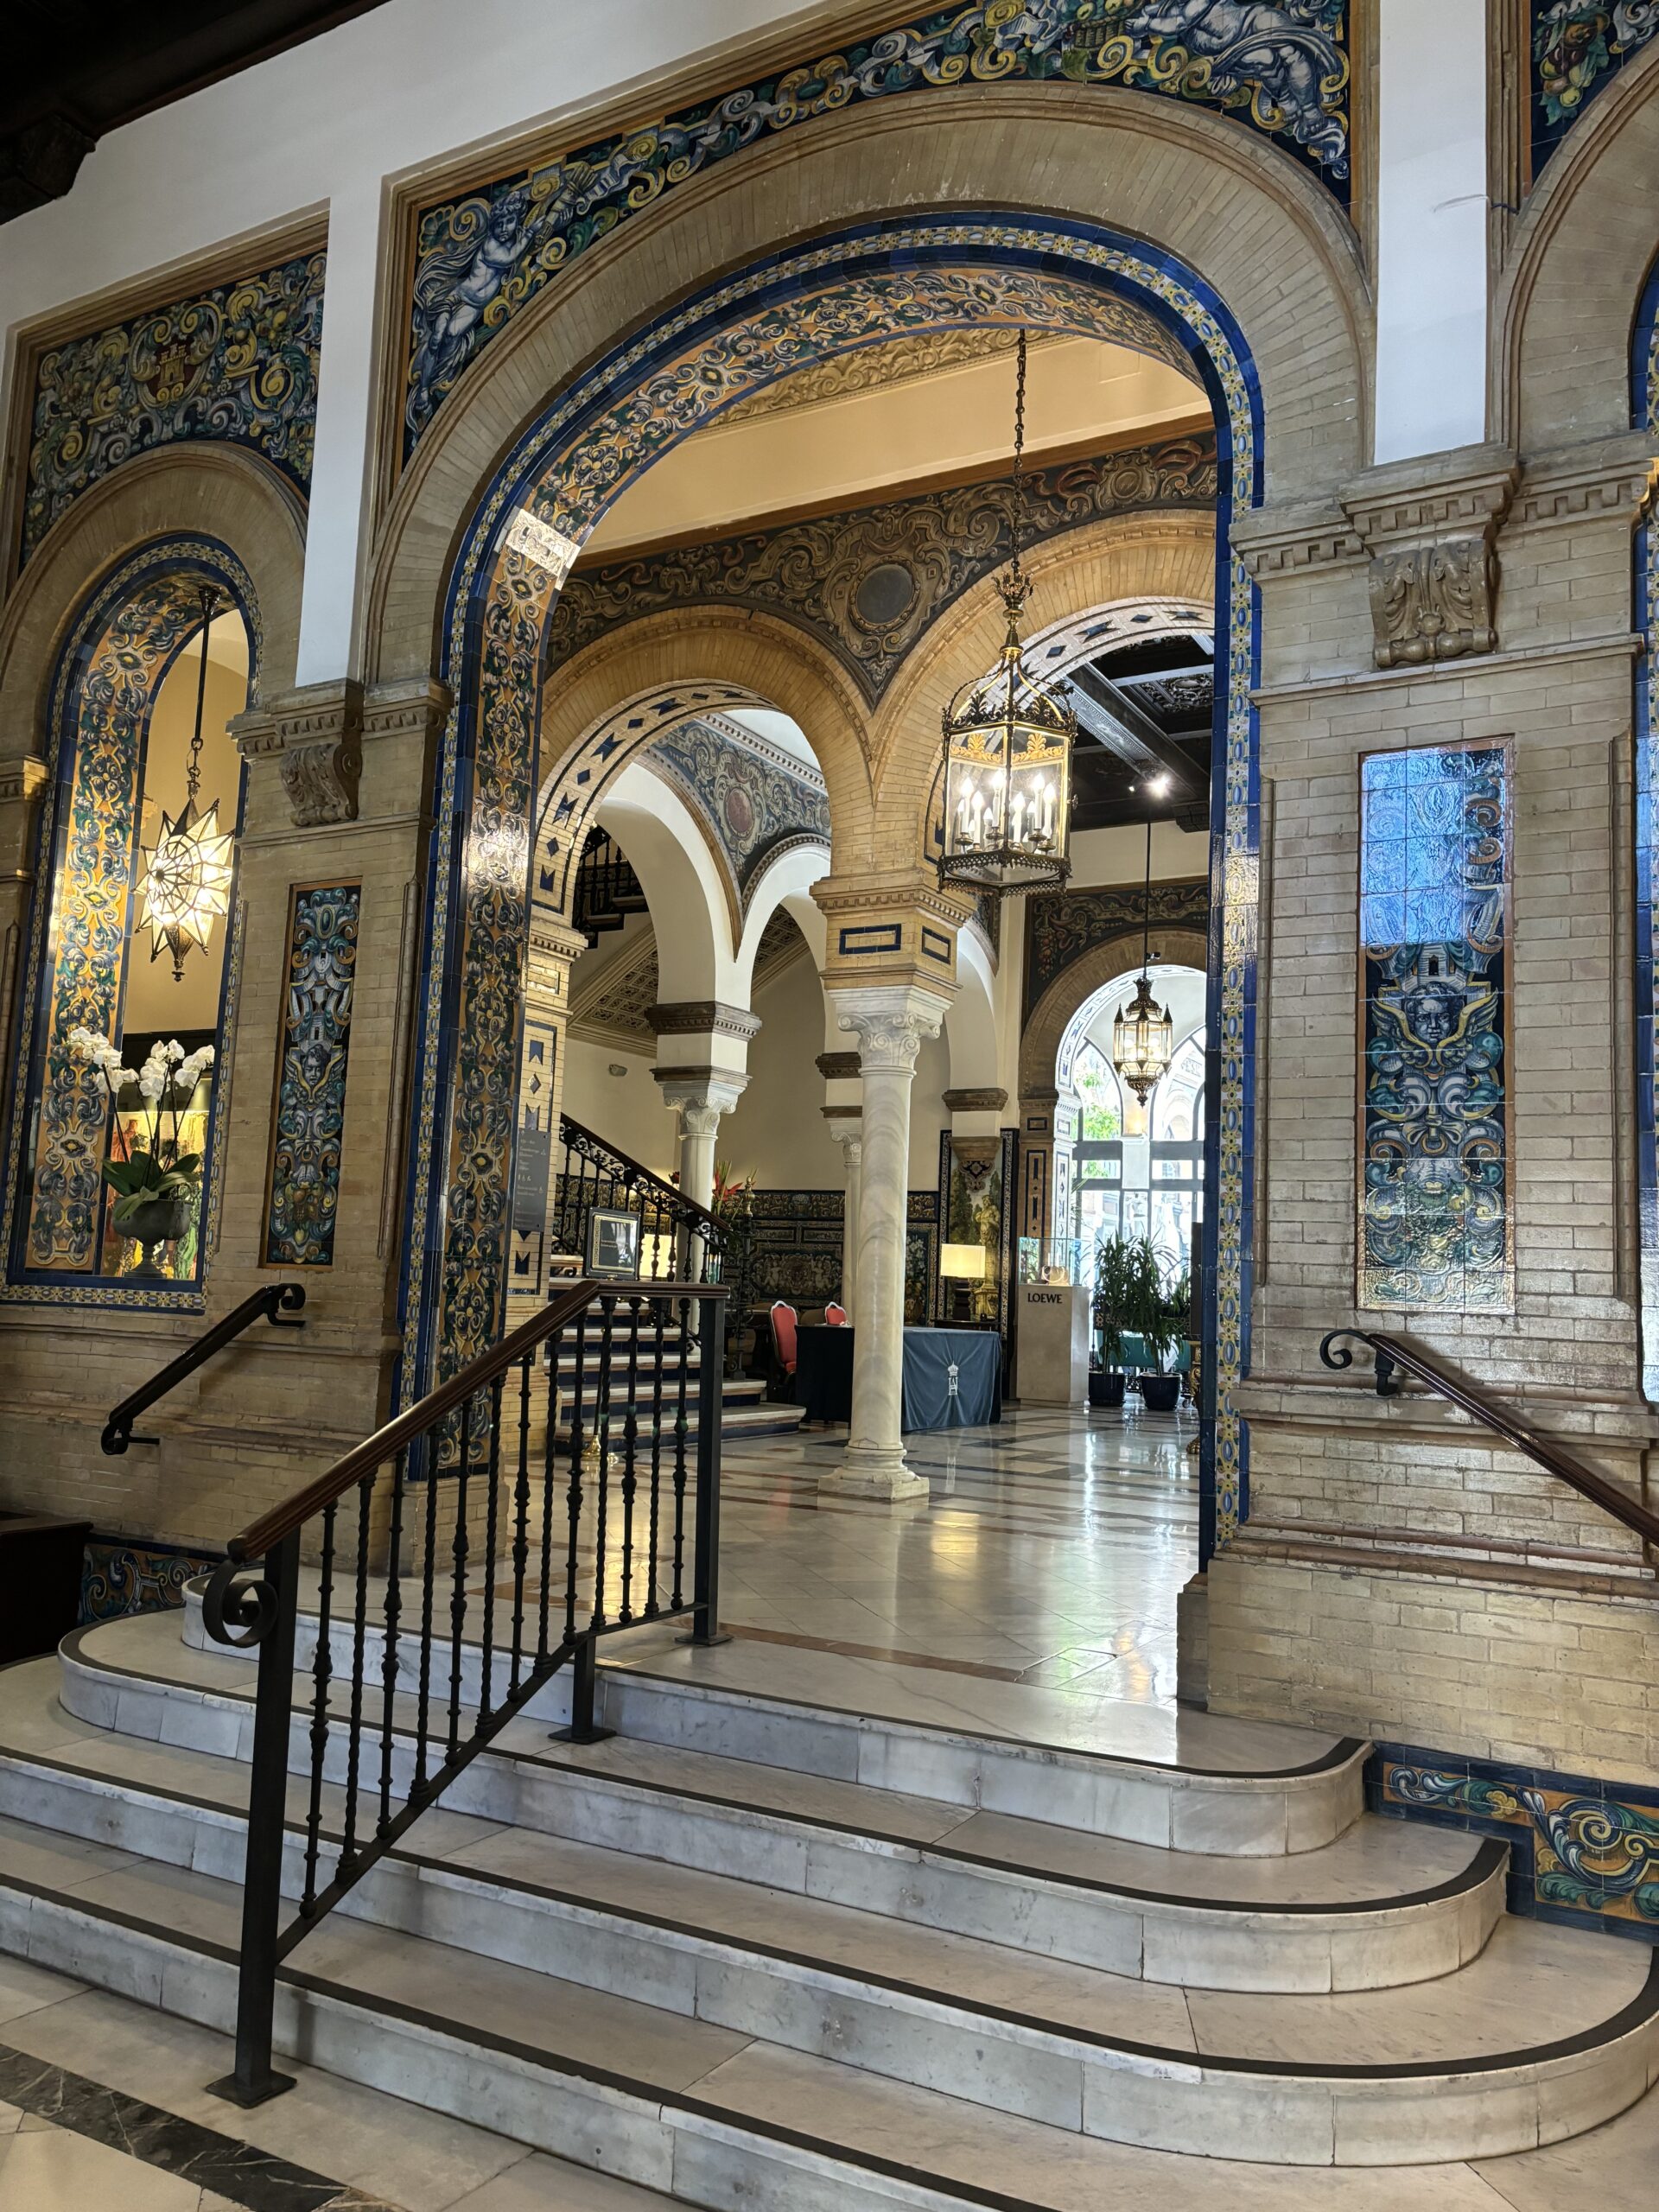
1141 1035
187 881
1008 747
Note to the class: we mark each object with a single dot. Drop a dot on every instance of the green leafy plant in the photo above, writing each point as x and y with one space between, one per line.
1127 1299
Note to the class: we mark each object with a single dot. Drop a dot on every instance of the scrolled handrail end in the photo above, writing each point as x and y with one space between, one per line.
228 1604
286 1300
1334 1354
115 1439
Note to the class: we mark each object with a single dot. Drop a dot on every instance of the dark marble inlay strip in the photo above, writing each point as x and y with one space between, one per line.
240 2171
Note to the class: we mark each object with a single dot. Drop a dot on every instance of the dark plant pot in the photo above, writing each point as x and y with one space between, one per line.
1160 1394
1106 1390
157 1222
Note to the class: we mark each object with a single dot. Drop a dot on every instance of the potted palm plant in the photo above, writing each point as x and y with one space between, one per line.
1124 1274
1167 1326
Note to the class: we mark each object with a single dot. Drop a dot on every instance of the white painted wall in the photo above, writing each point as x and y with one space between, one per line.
627 1111
1431 227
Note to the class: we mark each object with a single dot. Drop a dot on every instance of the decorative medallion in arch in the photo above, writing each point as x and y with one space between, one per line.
796 308
108 676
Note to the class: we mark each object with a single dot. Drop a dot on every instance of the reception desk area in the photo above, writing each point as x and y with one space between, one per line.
952 1377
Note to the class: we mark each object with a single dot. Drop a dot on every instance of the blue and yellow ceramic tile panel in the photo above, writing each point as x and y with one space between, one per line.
1435 1216
310 1116
481 257
1578 47
1580 1849
237 363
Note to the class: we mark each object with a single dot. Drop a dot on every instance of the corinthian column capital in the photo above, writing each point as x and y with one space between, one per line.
890 1022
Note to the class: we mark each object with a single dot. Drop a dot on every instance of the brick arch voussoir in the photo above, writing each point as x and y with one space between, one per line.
203 490
1238 211
1567 298
1073 987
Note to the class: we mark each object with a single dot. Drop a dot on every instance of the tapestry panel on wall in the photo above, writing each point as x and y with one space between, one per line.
1435 1232
1578 47
481 256
237 362
795 1250
974 1210
1061 926
311 1077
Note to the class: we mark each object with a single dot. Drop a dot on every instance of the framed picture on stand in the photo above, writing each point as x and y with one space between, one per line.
614 1240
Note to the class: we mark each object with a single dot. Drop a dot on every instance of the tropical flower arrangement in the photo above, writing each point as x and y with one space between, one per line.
158 1168
734 1197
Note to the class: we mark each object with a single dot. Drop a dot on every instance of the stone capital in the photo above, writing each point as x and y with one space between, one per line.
989 1100
701 1095
702 1018
1430 529
890 1022
317 733
22 781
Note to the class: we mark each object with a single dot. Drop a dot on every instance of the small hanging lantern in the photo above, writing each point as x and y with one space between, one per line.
188 871
1008 749
1142 1034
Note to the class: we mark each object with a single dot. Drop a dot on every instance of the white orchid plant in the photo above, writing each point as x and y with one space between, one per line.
159 1167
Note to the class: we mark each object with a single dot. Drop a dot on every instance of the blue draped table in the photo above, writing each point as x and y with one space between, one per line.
953 1377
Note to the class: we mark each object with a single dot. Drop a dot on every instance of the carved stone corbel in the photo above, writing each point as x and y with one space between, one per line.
319 731
1432 541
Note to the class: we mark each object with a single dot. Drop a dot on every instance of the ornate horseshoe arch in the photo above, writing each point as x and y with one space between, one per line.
799 306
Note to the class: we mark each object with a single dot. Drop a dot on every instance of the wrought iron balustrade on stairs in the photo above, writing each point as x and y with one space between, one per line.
682 1241
561 1488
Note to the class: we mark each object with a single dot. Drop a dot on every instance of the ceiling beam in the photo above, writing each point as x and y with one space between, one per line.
1108 714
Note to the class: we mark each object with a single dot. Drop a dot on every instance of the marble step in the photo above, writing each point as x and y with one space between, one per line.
614 2082
1385 1905
1187 1780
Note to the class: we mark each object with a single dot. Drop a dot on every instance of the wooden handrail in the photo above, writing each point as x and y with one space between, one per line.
280 1303
638 1173
260 1536
1393 1352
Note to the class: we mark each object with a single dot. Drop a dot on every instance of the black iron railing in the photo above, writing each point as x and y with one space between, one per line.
606 888
1394 1357
583 1499
279 1302
681 1241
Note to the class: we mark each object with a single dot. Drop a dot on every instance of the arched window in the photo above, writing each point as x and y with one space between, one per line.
1095 1080
1178 1102
133 950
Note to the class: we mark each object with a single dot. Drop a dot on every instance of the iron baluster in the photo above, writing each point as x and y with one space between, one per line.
602 1453
267 1609
393 1616
705 1616
321 1674
520 1525
573 1492
680 1427
486 1692
658 1306
630 1451
428 1563
359 1633
458 1587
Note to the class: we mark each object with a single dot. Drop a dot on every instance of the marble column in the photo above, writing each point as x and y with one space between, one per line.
700 1097
890 1022
848 1130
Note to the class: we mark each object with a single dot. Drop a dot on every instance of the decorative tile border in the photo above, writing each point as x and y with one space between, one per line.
1580 1850
122 1575
304 1184
1644 415
482 256
1578 47
236 363
739 335
104 691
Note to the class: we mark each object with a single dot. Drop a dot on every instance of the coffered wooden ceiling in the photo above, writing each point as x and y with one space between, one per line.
77 68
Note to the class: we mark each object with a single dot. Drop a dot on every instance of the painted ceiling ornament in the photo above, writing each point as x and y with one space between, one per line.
187 881
1282 69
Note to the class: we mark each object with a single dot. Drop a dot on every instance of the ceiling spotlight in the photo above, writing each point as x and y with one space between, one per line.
1158 786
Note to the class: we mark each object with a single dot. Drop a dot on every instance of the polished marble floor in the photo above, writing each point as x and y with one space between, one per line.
1050 1552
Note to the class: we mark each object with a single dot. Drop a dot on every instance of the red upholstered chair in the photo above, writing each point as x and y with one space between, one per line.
784 1320
834 1317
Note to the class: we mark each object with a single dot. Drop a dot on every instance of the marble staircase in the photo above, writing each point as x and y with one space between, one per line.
806 1934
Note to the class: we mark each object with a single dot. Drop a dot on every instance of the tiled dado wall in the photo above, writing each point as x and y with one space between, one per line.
121 1575
1580 1850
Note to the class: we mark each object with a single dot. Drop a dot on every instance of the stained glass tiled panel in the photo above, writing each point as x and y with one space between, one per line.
1435 1233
